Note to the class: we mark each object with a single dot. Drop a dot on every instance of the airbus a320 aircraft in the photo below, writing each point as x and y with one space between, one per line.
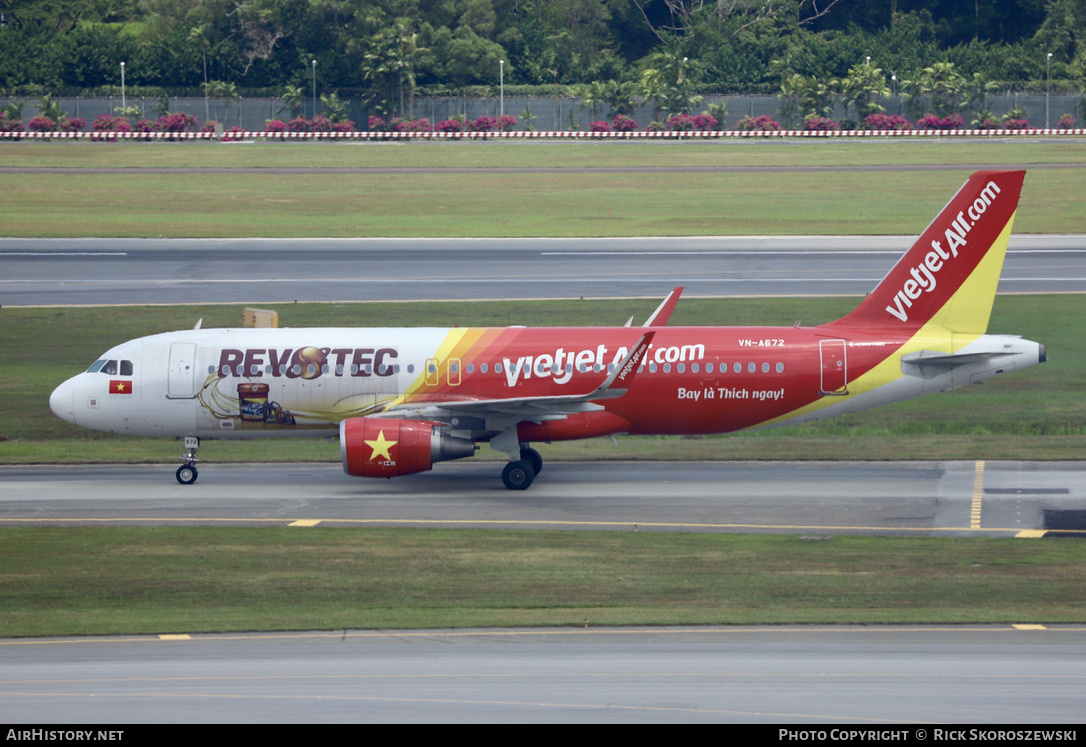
402 399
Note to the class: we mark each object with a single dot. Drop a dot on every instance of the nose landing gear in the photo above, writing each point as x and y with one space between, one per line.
187 472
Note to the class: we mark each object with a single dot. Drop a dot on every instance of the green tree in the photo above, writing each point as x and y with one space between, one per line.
666 82
293 99
228 92
942 84
865 89
808 96
335 108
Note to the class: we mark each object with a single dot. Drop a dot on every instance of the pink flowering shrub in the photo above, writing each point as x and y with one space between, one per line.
705 122
820 124
622 123
1016 124
762 123
71 124
934 122
275 125
300 124
109 123
881 121
41 124
485 124
507 122
377 124
412 125
680 123
600 125
209 126
10 124
1067 122
177 122
689 123
449 125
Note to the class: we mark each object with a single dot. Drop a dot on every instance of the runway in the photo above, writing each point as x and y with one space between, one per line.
851 677
149 271
989 499
856 678
860 677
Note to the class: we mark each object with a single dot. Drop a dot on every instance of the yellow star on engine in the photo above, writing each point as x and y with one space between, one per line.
381 446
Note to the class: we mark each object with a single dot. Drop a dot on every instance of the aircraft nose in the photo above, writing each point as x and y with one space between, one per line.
62 401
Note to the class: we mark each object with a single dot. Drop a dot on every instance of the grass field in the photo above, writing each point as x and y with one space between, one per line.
151 580
222 192
67 581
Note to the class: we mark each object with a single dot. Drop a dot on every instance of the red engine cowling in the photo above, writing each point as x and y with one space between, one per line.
382 447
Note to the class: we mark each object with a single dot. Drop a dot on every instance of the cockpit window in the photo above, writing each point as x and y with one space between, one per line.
111 368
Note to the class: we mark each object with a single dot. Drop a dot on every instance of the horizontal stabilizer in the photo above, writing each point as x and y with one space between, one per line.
928 363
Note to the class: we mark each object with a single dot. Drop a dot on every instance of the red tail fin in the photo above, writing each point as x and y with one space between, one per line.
963 246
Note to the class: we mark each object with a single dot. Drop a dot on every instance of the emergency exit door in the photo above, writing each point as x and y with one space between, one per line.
181 380
834 367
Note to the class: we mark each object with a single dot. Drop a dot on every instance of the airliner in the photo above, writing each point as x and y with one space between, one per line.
401 399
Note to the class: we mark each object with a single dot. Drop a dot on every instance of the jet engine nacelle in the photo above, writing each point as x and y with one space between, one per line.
383 447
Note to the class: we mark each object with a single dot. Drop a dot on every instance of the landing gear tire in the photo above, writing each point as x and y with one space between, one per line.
518 475
532 457
186 473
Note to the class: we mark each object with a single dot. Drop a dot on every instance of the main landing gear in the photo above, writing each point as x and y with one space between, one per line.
519 475
187 472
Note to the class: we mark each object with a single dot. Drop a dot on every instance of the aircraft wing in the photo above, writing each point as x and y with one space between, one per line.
660 317
535 409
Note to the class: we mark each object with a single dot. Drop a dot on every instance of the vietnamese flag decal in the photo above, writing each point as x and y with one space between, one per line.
120 387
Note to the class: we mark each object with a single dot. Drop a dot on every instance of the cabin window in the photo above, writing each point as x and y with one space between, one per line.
765 368
780 368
